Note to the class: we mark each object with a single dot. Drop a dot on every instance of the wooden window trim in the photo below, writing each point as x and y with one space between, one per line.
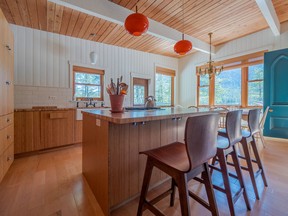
92 71
242 62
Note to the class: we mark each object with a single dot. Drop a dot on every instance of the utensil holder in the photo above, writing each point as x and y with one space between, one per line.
116 102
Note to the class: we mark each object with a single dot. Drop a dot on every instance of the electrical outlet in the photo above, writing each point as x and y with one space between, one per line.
52 97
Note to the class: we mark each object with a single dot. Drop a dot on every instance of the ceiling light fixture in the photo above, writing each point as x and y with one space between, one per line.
136 24
183 46
209 68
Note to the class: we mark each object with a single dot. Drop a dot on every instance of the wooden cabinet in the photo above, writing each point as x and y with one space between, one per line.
27 131
6 96
57 128
37 130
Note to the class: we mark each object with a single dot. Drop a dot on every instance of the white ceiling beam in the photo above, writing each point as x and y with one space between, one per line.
109 11
269 13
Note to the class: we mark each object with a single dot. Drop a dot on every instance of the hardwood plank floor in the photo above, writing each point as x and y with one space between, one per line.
52 184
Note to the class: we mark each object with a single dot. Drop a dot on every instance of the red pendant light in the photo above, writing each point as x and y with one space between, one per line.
136 24
183 46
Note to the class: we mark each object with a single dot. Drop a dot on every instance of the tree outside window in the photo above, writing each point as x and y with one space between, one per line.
163 90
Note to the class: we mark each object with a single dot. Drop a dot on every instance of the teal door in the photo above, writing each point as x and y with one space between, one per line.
276 93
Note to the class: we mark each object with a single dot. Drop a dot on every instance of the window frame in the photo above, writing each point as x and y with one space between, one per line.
172 74
251 81
140 82
242 62
79 69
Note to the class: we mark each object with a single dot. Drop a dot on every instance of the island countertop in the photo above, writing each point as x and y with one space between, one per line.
146 115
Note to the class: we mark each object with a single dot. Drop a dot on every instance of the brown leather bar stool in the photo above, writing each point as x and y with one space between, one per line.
248 137
225 146
184 162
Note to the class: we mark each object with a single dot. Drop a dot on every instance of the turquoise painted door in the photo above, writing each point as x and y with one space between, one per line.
276 93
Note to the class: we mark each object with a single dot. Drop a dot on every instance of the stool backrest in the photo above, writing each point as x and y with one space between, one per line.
233 126
201 138
253 121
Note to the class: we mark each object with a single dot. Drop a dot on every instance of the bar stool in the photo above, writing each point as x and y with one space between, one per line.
184 162
226 146
249 137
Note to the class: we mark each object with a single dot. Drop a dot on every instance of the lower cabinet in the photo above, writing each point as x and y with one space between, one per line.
57 128
37 130
6 143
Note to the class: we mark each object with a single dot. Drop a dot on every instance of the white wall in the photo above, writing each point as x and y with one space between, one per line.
262 40
42 75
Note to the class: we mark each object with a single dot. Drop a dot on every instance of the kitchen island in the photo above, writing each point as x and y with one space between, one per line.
111 164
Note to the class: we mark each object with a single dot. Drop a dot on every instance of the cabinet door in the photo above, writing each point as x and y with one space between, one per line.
181 129
149 138
3 64
27 131
10 73
57 128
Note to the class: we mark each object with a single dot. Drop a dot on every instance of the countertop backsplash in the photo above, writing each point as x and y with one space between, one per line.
29 96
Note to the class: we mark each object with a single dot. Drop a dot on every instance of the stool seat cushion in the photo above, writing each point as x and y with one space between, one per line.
245 133
173 155
222 142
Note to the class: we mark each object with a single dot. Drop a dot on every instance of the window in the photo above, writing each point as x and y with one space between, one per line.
255 85
164 86
203 90
88 83
240 84
140 91
228 87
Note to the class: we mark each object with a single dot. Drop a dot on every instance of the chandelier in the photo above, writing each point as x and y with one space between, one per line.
209 68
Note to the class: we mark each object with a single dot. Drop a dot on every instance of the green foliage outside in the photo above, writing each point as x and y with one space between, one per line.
255 89
163 90
87 85
139 95
228 87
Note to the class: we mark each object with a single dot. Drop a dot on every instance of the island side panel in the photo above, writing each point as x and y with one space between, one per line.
120 162
149 138
95 158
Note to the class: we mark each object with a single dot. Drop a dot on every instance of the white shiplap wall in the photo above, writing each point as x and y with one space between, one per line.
42 69
262 40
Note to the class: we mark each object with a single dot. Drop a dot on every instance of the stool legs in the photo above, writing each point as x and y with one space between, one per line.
258 161
145 186
225 175
250 167
209 190
235 159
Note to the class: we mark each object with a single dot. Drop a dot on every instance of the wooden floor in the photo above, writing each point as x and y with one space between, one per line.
51 184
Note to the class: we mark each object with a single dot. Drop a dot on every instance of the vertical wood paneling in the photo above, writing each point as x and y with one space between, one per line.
42 59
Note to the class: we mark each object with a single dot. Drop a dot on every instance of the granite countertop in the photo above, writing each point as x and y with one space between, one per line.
41 109
53 108
147 115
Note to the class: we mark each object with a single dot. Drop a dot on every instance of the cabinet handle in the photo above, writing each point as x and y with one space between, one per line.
134 123
143 123
179 118
8 82
174 119
8 120
9 158
8 137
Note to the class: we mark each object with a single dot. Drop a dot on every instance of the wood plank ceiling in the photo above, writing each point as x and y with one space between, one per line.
227 19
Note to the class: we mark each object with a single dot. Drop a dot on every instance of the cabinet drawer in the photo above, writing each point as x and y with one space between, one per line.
6 120
6 137
2 140
8 158
9 135
1 167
